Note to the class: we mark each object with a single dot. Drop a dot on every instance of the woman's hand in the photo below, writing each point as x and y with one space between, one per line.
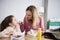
21 23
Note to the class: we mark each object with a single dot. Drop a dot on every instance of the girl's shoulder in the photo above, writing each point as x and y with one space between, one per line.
9 29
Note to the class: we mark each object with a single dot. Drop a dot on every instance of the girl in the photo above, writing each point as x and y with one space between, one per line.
9 27
32 20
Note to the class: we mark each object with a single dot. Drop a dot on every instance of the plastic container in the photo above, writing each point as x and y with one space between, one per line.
17 38
39 34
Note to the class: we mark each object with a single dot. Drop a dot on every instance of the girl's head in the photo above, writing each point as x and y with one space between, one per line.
8 21
32 14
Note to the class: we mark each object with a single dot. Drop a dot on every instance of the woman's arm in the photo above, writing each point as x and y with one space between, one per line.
22 27
42 24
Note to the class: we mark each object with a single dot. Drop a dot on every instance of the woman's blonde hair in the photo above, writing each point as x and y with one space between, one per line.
34 12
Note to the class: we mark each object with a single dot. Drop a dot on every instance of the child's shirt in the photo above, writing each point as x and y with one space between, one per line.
15 31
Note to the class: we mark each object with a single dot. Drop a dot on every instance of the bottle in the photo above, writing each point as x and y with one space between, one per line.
39 35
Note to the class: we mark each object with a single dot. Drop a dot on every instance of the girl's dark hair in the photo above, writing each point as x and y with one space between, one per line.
5 22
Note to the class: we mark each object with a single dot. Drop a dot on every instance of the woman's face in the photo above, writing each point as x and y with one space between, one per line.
29 15
14 21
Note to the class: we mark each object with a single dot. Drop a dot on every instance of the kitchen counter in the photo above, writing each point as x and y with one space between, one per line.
34 38
27 37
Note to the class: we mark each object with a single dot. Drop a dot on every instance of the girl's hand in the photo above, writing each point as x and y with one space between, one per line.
10 33
18 36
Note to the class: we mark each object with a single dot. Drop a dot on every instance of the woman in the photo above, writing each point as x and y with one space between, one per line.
9 27
32 20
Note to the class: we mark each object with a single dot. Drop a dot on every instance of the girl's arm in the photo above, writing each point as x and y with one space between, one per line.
6 32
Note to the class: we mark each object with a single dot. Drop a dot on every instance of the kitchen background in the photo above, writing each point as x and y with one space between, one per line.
48 8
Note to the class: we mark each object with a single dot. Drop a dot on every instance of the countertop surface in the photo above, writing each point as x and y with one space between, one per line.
26 38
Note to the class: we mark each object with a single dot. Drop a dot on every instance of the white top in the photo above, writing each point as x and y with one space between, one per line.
15 31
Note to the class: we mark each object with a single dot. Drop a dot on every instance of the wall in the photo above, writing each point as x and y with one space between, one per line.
53 10
16 7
